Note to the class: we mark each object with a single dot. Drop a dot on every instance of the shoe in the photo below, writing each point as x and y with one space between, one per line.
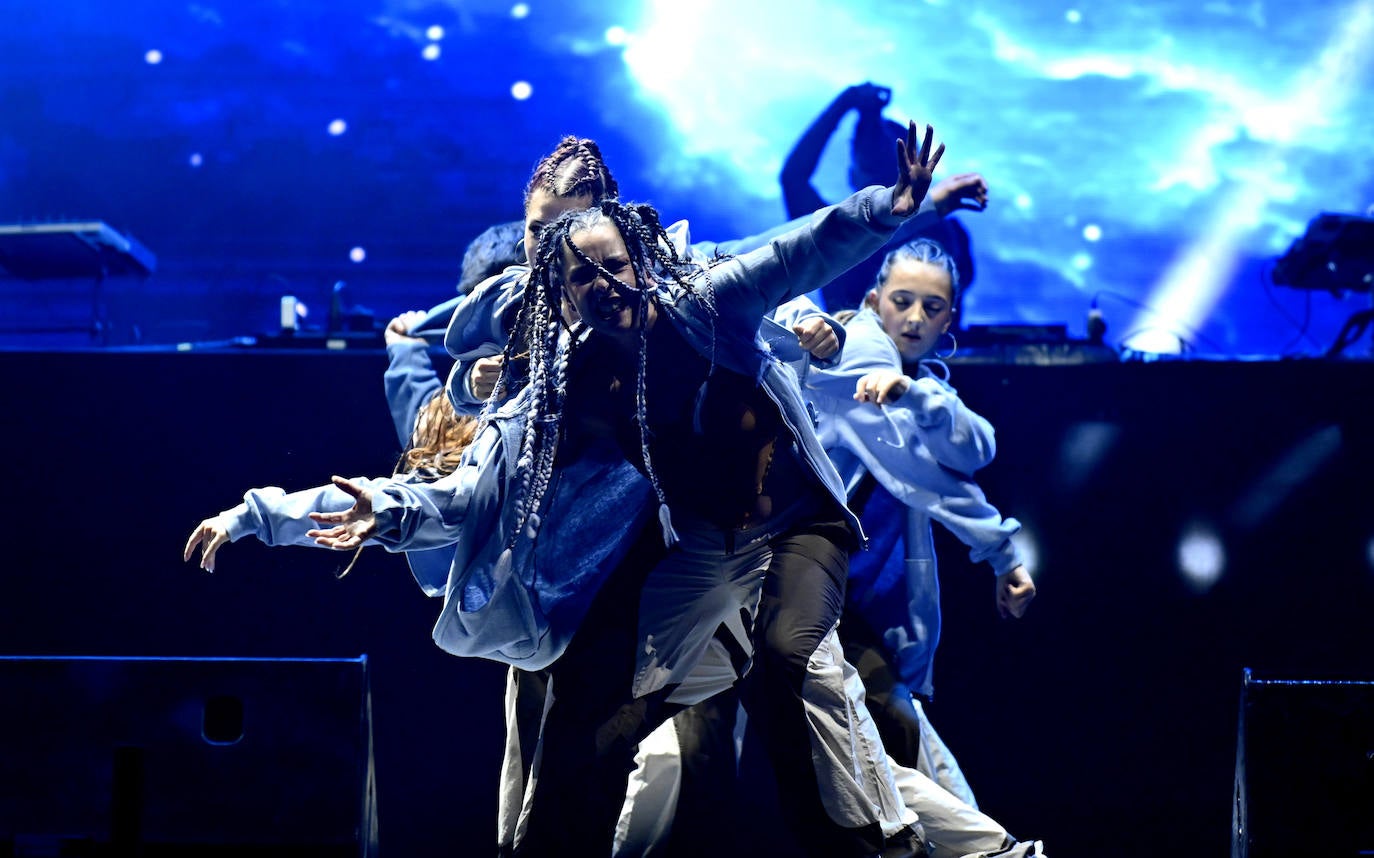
907 843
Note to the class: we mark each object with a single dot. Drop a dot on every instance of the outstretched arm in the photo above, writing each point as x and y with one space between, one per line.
269 514
931 414
833 240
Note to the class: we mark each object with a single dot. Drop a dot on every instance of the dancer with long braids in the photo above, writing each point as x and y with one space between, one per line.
663 372
735 461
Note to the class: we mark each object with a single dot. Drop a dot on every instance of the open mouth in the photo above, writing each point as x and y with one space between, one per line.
609 306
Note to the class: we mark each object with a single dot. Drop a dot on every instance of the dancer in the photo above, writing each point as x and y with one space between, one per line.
907 447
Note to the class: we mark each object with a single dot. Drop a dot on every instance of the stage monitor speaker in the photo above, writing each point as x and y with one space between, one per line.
186 757
1304 769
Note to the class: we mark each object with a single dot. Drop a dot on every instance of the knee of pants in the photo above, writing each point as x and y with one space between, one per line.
783 649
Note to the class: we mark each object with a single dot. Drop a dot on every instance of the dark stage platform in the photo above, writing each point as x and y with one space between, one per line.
1104 723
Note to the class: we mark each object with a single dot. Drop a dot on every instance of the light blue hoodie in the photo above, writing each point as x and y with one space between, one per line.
923 450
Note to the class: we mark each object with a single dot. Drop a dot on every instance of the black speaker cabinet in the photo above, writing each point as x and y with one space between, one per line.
1304 769
186 757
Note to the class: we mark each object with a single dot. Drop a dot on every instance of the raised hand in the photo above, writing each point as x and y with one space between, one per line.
210 534
398 329
866 96
964 191
352 527
915 170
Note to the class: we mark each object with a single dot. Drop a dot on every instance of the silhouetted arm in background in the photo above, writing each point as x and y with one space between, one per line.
799 196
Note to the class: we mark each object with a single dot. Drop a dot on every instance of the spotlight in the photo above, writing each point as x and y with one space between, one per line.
1201 558
431 52
337 127
357 254
521 90
434 33
153 57
1092 232
1029 546
520 10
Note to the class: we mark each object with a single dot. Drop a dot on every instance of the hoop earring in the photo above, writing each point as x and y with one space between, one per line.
953 346
520 246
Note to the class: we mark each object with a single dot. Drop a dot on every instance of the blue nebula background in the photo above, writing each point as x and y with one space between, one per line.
1154 157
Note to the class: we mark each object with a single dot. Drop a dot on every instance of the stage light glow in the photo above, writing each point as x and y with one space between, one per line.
1194 283
722 88
1085 447
1028 544
1155 341
337 127
431 52
1022 201
153 57
520 10
1299 465
434 33
521 90
1201 558
617 36
1073 16
357 254
196 159
1092 232
1369 552
1081 262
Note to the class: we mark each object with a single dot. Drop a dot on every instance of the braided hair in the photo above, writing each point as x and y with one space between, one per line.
661 275
574 168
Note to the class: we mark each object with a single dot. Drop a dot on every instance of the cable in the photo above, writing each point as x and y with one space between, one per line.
1266 276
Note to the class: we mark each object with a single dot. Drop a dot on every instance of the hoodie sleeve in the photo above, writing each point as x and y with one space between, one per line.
410 381
958 438
831 241
479 328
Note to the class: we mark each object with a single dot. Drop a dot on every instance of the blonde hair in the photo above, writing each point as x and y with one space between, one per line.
439 438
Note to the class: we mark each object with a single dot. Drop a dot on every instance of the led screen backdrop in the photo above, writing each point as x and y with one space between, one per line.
1154 156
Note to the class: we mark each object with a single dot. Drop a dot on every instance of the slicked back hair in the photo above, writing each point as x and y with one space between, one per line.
922 250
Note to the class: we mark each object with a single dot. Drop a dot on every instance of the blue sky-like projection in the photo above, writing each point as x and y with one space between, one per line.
1152 157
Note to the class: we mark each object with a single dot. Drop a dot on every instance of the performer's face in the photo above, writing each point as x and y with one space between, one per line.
543 207
600 281
915 305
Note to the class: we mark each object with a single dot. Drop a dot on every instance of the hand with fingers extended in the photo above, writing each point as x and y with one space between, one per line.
816 335
915 170
965 191
1015 589
210 534
881 387
352 527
